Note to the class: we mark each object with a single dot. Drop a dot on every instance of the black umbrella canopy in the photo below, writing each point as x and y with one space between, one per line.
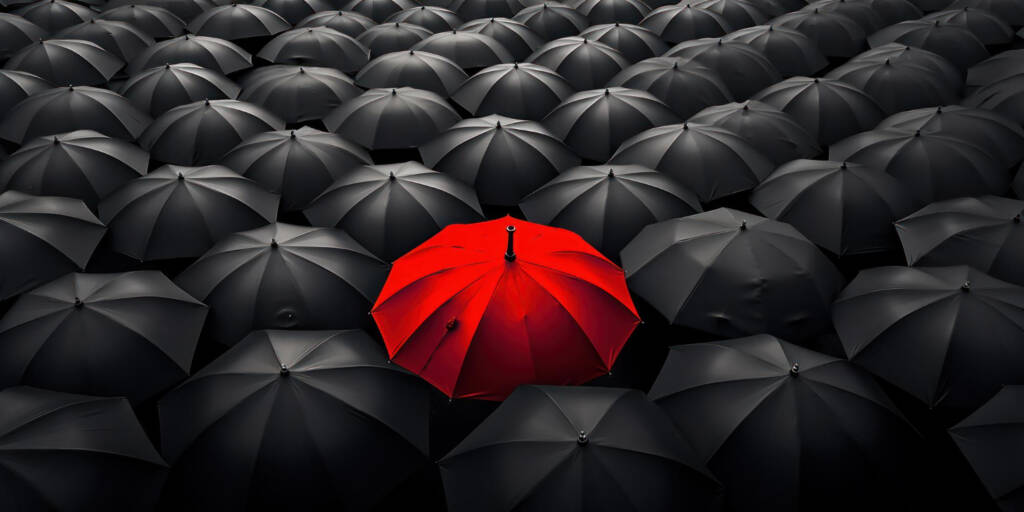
44 238
686 87
477 9
790 51
238 21
948 336
128 334
297 164
827 108
1005 97
347 22
434 19
609 204
950 40
514 36
989 28
16 33
180 212
521 91
773 132
895 11
18 85
990 440
998 135
933 166
844 208
470 50
576 448
157 90
731 273
210 52
551 20
744 69
121 39
298 94
740 13
392 37
316 46
295 420
502 158
184 9
67 62
943 69
684 21
75 452
771 419
379 10
585 64
595 123
634 42
396 118
283 276
835 34
712 161
68 109
158 22
202 132
860 11
83 164
612 11
898 84
54 15
1007 10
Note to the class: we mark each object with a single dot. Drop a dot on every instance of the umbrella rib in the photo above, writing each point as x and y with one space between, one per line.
43 414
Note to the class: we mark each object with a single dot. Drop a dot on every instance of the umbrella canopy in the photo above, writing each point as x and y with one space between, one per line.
476 9
396 118
121 39
155 21
314 420
612 11
999 67
933 166
470 50
238 21
44 238
551 20
899 84
55 15
179 212
316 46
771 418
184 9
66 62
943 68
68 109
576 448
295 10
201 133
634 42
392 37
283 276
999 136
711 161
347 22
379 10
845 208
895 11
685 86
742 68
1007 10
298 94
502 158
71 452
776 134
209 52
16 33
685 21
477 311
827 108
608 205
83 164
521 91
16 86
960 328
862 12
594 123
836 34
983 232
297 164
129 334
434 19
990 441
1005 97
989 28
417 69
392 208
739 13
157 90
790 51
514 36
950 40
731 273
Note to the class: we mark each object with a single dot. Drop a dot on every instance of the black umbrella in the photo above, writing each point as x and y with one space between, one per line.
293 11
392 37
989 28
55 15
999 136
392 118
201 133
684 21
741 13
950 40
156 21
44 238
772 420
686 87
378 10
733 274
238 21
773 132
516 37
899 84
585 64
862 12
67 62
845 208
612 11
522 91
948 336
434 19
157 90
932 165
551 20
1007 10
634 42
790 51
347 22
74 452
184 9
315 420
477 9
298 94
742 68
1005 97
283 276
16 33
316 46
180 212
595 123
391 209
297 164
470 50
16 86
941 67
895 11
502 158
576 448
121 39
990 441
828 109
210 52
711 161
83 164
68 109
835 34
129 334
608 205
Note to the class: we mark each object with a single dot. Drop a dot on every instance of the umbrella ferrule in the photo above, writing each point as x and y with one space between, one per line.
583 438
1016 219
510 254
795 369
966 287
284 370
273 243
78 303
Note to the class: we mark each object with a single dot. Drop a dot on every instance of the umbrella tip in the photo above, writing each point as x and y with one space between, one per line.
394 92
583 438
453 323
302 70
917 133
686 125
719 41
607 92
206 102
843 165
616 24
167 65
515 65
815 10
284 370
181 177
510 254
78 303
497 125
743 225
938 109
273 243
816 80
795 369
56 141
292 135
887 62
611 173
966 287
411 51
391 176
746 106
675 66
1016 219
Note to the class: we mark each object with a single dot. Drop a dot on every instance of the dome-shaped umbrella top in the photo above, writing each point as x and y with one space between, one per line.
434 19
516 37
684 21
184 9
470 50
792 53
952 41
209 52
55 15
739 13
159 89
744 69
612 11
585 64
392 37
773 132
238 21
155 21
988 27
989 130
120 38
685 86
636 43
552 20
396 118
836 34
522 91
18 85
67 62
827 108
316 46
346 22
66 109
16 33
295 10
378 10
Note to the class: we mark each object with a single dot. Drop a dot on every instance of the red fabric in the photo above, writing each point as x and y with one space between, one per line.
557 314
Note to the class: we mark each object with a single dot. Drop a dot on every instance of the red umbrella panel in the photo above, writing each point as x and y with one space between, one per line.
482 308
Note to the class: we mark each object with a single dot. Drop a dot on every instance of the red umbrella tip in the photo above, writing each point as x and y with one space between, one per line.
510 254
454 322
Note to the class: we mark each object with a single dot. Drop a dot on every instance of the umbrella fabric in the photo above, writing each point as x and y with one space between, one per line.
895 11
845 208
950 40
741 67
74 452
157 22
997 68
470 50
711 161
434 19
184 9
521 91
771 419
634 42
948 336
771 131
836 34
827 108
514 36
574 448
731 273
209 52
552 20
83 164
684 21
349 23
476 323
314 420
612 11
316 46
790 51
67 62
685 86
999 136
990 441
283 276
298 94
502 158
238 21
55 15
157 90
476 9
608 205
121 39
378 10
179 212
392 208
128 334
16 86
297 164
417 69
16 33
396 118
201 133
44 238
899 84
295 10
392 37
1005 97
68 109
1007 10
942 67
989 28
739 13
861 12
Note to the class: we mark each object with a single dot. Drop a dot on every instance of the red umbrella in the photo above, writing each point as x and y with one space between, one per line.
482 308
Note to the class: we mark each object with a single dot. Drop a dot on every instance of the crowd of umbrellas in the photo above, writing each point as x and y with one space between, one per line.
497 255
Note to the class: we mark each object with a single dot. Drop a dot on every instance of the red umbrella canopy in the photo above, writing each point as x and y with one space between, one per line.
482 308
